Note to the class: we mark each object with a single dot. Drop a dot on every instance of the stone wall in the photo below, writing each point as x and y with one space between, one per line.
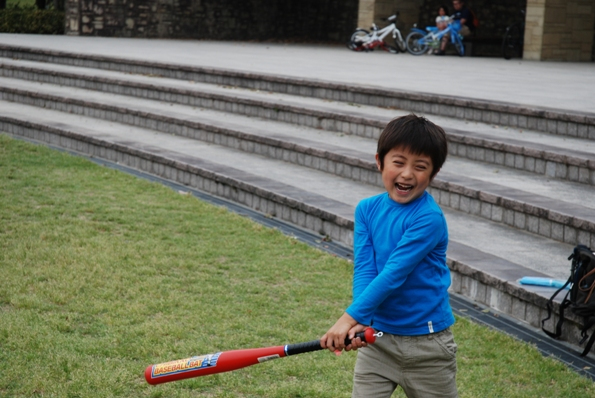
299 20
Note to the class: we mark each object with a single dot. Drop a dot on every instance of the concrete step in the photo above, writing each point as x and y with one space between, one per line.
484 270
553 156
502 210
562 122
327 192
504 195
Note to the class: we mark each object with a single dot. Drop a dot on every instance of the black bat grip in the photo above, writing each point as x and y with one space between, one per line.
314 345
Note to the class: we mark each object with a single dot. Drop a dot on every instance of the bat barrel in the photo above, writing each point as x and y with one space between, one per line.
209 364
231 360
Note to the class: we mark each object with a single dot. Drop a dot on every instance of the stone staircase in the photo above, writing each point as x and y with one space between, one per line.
517 187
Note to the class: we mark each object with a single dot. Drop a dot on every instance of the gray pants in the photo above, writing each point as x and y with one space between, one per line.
424 366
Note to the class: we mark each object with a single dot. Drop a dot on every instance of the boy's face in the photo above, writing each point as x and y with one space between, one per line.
405 175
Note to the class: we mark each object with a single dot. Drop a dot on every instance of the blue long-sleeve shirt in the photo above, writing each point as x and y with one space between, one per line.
400 282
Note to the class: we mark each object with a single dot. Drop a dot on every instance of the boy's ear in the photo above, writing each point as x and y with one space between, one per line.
378 162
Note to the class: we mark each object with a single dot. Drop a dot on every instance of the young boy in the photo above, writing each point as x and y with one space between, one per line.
400 279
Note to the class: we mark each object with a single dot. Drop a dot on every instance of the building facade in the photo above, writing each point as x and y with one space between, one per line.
555 30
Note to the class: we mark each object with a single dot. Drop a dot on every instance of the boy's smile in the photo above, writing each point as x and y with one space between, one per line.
405 175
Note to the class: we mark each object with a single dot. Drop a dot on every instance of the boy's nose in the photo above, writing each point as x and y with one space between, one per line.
407 172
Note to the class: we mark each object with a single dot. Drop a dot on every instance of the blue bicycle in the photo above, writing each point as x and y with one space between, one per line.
420 42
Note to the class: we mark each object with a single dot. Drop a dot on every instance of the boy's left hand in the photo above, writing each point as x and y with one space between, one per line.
334 339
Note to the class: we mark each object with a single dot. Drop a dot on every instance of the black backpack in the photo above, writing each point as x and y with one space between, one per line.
582 295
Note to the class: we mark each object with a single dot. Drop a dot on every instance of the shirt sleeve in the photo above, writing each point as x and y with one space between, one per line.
364 259
417 242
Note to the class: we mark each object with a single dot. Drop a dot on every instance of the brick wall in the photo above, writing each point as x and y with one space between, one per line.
568 30
560 30
301 20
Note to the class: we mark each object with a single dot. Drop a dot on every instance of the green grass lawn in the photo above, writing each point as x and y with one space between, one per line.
103 274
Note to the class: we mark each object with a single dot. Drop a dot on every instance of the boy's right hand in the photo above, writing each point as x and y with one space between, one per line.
356 342
334 338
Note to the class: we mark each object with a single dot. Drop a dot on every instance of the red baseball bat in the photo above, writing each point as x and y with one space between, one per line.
231 360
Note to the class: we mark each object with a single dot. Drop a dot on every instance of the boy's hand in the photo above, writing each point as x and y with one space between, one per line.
356 342
334 339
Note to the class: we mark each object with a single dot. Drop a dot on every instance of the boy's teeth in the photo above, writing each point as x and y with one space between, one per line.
403 187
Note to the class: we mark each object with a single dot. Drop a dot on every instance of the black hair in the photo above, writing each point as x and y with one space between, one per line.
416 134
445 9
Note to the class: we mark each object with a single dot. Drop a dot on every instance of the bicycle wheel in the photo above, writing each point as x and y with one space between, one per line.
512 43
400 44
416 44
358 38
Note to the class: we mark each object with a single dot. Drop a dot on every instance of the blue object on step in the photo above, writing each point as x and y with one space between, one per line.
539 281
